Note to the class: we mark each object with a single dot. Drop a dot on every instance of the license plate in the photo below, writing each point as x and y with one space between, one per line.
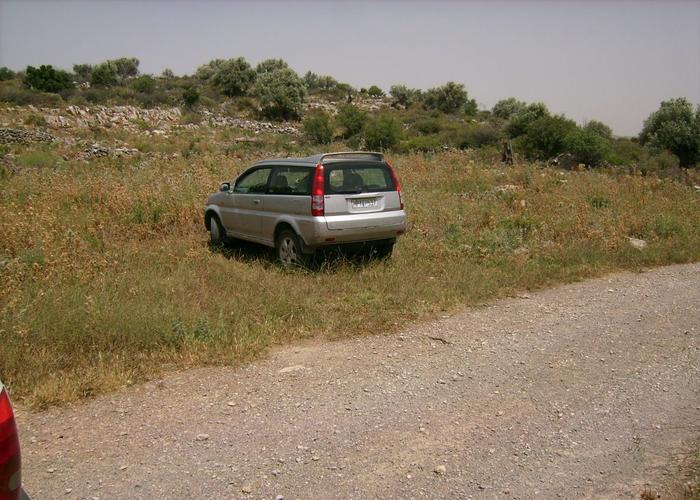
365 203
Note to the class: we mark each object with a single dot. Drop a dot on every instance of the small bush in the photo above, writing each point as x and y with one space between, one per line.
506 108
6 74
520 122
233 77
587 146
429 125
318 128
382 132
190 96
24 97
479 135
424 143
47 79
95 95
659 162
104 75
144 83
35 120
403 96
449 98
352 119
546 137
375 91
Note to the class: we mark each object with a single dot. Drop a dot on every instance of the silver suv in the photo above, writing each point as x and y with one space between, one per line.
298 205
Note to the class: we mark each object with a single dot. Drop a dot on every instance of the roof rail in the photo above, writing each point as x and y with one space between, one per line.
373 155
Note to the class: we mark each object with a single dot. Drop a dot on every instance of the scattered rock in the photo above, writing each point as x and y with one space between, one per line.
637 243
247 488
202 437
440 470
293 368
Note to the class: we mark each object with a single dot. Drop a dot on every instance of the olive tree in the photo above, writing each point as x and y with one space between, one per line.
269 65
676 128
233 77
505 108
280 93
448 98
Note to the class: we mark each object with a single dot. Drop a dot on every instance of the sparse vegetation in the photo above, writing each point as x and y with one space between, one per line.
120 282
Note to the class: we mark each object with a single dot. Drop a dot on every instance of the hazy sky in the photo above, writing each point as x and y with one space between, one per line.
613 61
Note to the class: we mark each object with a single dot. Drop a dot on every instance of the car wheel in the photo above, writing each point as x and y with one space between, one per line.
288 248
217 234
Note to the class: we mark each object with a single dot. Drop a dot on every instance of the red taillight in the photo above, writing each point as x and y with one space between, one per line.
318 207
10 462
396 183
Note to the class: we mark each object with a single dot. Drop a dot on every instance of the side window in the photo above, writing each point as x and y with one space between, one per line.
254 182
291 181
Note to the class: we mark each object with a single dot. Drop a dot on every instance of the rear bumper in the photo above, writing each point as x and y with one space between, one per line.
354 228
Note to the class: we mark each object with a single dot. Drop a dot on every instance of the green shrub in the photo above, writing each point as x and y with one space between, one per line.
190 96
599 128
47 79
352 119
587 146
125 67
6 74
520 122
144 83
233 77
104 75
280 93
95 95
546 137
83 72
382 132
157 98
674 127
23 97
428 125
318 128
506 108
449 98
657 162
479 135
403 96
375 91
424 143
625 152
269 65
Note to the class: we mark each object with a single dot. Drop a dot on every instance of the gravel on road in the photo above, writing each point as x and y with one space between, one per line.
585 390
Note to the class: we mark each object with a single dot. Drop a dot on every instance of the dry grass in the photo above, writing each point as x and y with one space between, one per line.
107 278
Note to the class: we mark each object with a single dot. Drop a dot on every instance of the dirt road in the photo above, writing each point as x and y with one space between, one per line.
590 389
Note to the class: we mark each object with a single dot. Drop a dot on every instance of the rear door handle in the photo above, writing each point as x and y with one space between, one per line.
257 202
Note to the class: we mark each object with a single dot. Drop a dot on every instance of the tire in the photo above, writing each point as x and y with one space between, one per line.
289 249
217 234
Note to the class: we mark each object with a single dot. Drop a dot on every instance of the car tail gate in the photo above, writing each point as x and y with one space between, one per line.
360 188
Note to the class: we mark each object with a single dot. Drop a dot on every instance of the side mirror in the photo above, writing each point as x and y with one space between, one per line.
225 187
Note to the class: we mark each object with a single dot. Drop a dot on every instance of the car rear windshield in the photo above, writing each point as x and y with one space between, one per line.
358 178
